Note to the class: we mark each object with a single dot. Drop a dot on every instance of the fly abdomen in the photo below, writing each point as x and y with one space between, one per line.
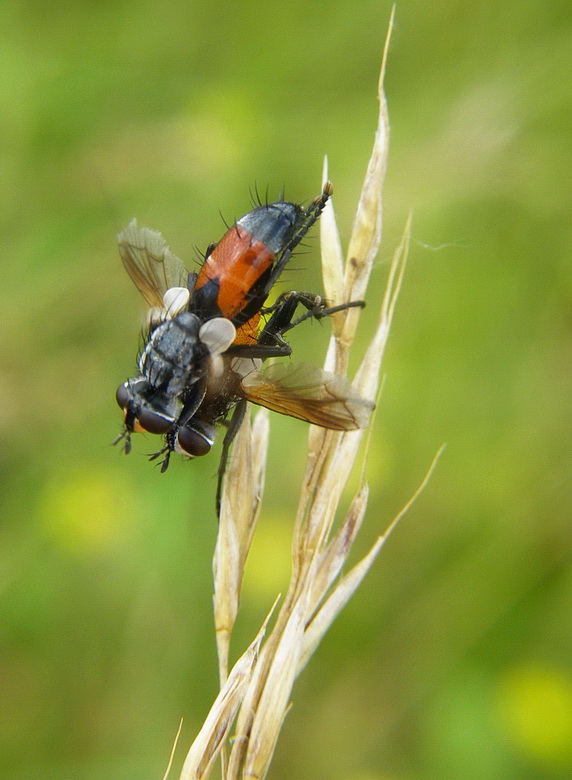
272 225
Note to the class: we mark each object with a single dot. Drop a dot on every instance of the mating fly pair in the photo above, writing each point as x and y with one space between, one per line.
207 342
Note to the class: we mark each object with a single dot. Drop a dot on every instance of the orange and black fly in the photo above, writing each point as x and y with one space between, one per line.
210 334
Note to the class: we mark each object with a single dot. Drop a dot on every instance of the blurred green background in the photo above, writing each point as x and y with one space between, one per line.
454 659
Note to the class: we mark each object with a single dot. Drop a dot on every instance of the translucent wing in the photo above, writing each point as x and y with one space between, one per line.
308 393
150 263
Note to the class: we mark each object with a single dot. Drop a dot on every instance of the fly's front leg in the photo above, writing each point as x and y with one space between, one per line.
232 430
283 310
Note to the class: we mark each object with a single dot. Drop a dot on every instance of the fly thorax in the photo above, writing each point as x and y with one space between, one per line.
174 355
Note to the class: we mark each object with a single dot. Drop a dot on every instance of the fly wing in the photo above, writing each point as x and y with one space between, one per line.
150 263
308 393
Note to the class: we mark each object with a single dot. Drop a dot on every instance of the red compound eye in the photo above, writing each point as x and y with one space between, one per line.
194 442
153 422
122 396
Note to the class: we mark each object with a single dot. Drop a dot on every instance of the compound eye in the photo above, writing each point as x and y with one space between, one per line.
153 422
122 396
193 442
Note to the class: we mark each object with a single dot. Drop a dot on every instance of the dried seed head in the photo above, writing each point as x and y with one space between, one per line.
261 682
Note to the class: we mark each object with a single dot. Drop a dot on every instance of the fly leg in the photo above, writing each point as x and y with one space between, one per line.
231 431
271 342
283 310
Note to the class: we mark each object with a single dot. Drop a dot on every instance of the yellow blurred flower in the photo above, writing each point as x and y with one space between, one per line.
534 710
85 511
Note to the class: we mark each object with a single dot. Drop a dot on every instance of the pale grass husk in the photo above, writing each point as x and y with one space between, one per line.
255 695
